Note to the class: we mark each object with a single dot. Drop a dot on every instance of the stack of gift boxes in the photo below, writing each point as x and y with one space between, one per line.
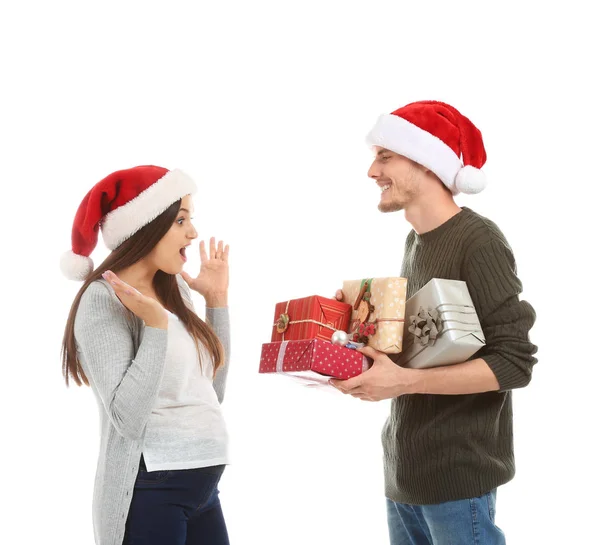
316 338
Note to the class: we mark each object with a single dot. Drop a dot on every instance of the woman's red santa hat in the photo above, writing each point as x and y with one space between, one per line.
120 205
437 136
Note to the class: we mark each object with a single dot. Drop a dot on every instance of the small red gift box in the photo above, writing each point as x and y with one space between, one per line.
312 317
313 360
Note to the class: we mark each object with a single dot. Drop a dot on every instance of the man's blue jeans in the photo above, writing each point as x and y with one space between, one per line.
462 522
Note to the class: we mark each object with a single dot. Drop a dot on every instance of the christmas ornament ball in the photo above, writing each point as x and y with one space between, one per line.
340 338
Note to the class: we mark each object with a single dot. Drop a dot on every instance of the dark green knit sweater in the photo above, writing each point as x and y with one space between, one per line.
447 447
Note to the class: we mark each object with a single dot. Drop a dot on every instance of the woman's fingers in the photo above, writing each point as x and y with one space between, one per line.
203 256
216 250
213 248
118 285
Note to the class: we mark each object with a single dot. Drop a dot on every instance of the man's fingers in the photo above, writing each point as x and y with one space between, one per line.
368 351
362 397
338 384
339 295
359 393
347 386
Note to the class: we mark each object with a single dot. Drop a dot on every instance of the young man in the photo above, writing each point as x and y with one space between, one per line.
448 442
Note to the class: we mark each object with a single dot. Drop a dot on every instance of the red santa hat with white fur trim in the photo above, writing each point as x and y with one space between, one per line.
120 205
437 136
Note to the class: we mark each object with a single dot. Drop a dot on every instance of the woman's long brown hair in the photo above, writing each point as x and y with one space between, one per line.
130 252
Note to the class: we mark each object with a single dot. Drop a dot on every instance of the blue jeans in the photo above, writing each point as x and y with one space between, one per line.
179 507
462 522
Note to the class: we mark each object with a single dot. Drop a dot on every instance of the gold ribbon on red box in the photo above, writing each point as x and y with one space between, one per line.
310 317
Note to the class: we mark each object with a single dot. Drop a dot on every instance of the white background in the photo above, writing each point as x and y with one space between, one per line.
266 105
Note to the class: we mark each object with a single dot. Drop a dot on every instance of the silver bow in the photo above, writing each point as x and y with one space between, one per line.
426 326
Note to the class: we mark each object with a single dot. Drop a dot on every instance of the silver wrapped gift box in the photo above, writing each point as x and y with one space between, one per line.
441 327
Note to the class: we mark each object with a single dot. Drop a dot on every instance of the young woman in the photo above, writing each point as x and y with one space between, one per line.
157 370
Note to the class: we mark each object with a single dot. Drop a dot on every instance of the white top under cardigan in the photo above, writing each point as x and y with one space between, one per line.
186 428
124 361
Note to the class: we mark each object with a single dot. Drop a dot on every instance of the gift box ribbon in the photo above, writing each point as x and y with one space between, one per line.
289 323
426 326
280 356
435 326
365 286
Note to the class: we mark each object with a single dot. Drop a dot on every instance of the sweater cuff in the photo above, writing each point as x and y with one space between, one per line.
154 333
217 316
509 377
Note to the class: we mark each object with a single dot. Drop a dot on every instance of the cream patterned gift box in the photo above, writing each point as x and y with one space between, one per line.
442 327
378 311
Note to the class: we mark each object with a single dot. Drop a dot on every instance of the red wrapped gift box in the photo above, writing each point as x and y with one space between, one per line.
313 360
312 317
